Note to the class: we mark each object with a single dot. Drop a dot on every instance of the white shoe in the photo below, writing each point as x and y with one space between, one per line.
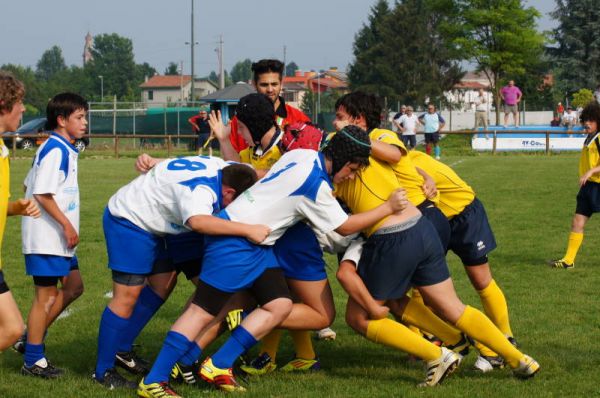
326 334
527 368
487 364
437 158
439 368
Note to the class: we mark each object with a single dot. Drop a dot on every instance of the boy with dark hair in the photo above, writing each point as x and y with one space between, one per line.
11 109
433 123
176 196
588 198
267 78
49 242
297 187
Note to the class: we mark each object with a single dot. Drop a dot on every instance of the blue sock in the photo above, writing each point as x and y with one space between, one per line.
438 151
174 347
238 343
111 329
33 353
145 308
191 355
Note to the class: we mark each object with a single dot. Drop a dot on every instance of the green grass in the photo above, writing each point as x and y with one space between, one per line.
530 201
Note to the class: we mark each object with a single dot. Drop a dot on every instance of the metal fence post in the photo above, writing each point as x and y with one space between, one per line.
116 141
494 143
168 146
547 142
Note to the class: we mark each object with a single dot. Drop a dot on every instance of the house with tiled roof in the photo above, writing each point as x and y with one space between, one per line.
295 87
160 90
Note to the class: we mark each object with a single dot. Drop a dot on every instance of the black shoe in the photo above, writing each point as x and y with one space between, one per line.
112 379
513 341
19 345
47 372
185 374
132 363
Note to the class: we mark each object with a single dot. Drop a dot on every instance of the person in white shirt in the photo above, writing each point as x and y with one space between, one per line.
176 196
569 118
480 111
408 125
49 241
297 187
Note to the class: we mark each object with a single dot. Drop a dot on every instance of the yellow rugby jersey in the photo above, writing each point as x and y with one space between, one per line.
371 187
4 191
454 193
590 157
405 170
261 162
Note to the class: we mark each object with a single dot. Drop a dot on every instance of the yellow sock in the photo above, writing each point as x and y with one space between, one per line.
270 343
495 307
483 350
303 344
417 314
575 239
396 335
479 327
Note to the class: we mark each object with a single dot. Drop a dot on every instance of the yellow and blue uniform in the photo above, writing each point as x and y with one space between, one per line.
471 236
410 179
263 161
4 195
588 198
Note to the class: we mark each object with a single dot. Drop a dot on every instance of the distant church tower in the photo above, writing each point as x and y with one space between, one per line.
87 53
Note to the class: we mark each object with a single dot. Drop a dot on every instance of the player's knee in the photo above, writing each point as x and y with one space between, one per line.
14 331
74 292
278 309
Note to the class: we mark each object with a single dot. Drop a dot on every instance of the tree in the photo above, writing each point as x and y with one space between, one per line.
582 97
51 63
242 71
113 59
577 54
143 71
172 69
291 68
405 54
214 77
33 89
500 37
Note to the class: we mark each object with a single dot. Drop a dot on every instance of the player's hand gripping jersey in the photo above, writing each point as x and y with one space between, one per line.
297 187
162 200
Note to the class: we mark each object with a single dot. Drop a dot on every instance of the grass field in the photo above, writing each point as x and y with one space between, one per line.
554 313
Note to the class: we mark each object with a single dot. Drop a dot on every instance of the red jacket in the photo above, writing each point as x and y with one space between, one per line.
292 115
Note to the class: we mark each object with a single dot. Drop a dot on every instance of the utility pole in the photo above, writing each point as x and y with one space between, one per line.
284 60
180 83
221 68
192 43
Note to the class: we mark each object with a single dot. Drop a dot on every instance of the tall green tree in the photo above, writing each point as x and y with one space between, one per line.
291 68
241 71
577 51
113 60
34 92
405 53
172 69
500 37
51 63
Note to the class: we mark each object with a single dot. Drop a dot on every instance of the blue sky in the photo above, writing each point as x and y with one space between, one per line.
317 33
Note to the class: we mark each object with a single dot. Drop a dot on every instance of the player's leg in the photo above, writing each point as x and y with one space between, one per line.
35 362
271 293
574 241
444 301
71 289
11 321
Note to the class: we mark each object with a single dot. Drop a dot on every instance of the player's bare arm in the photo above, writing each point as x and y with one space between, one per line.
211 225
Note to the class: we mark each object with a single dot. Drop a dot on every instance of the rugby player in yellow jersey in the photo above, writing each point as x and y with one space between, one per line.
11 109
471 239
401 251
364 110
588 198
298 251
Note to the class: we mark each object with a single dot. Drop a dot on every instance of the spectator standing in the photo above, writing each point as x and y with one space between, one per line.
432 123
560 109
396 119
201 127
511 95
480 111
407 125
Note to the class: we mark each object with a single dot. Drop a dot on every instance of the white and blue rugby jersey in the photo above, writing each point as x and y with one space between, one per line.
54 171
297 187
162 200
